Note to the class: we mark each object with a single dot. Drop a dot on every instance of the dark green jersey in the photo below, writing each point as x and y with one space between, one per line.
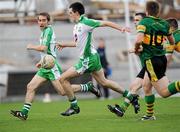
155 31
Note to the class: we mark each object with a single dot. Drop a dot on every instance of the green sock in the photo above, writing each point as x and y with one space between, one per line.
128 95
26 108
174 87
126 102
125 93
124 105
150 104
74 103
86 87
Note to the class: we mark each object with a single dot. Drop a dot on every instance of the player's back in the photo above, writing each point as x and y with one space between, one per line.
155 31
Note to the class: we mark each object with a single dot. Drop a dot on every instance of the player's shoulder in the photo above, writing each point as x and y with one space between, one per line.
145 21
88 21
48 29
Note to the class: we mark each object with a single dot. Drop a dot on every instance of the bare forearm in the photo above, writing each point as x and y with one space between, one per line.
40 48
138 42
66 44
111 24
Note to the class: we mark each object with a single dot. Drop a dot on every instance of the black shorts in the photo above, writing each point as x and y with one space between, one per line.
156 67
141 73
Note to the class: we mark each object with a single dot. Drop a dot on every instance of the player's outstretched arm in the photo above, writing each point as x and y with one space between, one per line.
40 48
60 45
115 26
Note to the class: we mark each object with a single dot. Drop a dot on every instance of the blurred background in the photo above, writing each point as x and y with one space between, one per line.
18 27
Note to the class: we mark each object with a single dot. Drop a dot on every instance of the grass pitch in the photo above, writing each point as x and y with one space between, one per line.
94 117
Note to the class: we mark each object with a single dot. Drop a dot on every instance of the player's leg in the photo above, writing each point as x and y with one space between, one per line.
58 87
166 89
64 80
149 99
99 77
54 76
156 68
137 83
31 89
134 87
88 87
106 90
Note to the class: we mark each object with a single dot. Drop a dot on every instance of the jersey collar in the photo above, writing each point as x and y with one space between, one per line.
153 17
46 27
81 18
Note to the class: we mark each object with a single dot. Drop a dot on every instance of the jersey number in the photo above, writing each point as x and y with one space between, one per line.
156 39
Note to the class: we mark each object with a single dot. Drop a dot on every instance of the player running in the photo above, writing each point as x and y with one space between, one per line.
89 61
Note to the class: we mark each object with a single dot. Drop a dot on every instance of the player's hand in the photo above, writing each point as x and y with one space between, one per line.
59 46
138 50
133 50
29 46
126 29
38 65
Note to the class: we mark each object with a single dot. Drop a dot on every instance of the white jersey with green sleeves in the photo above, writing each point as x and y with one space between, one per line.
48 39
83 35
89 59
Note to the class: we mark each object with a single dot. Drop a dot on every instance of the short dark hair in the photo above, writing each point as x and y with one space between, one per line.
142 14
172 22
77 6
45 14
153 8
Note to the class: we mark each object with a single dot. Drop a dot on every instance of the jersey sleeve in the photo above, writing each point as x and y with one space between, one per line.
92 23
47 37
141 27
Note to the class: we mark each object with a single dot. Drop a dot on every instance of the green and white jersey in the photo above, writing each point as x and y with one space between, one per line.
48 39
83 36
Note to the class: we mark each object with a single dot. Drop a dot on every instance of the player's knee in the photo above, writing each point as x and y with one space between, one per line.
163 95
62 93
104 83
61 80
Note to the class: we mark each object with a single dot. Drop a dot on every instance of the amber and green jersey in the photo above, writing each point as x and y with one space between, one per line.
155 31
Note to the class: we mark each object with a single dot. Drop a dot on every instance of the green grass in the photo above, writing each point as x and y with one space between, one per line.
94 117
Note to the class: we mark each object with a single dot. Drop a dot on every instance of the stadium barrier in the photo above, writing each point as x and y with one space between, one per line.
17 82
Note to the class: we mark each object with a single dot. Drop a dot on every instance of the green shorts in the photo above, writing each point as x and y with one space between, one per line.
88 64
50 74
